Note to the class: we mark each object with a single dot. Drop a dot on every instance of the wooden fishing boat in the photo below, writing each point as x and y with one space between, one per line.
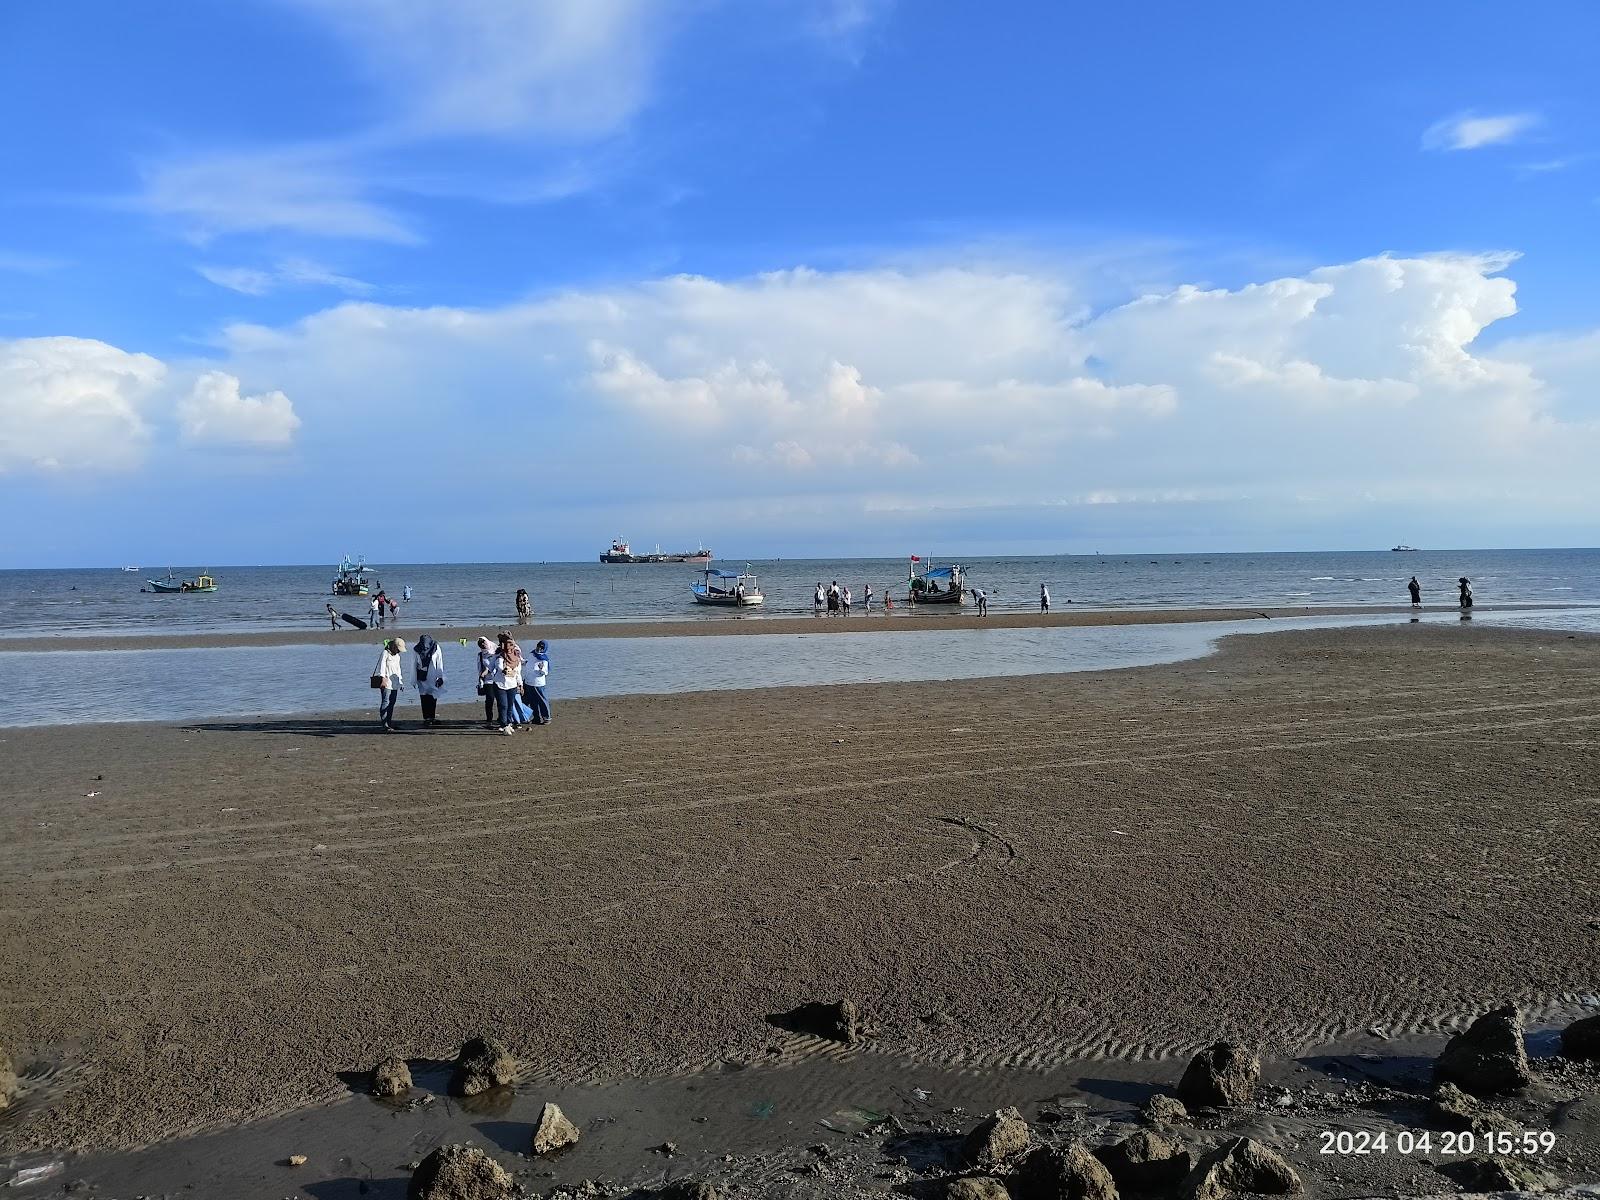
201 583
728 589
936 585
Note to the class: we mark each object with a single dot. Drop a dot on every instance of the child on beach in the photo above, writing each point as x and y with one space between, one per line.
333 619
485 687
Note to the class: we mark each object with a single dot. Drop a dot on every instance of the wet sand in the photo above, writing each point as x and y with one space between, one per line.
1300 836
900 620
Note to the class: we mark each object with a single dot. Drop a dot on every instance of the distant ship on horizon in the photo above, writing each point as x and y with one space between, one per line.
1403 547
620 553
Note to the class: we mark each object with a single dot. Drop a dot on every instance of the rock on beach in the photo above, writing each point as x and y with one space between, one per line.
553 1132
1146 1161
8 1080
997 1141
1223 1075
1489 1058
1063 1173
460 1173
391 1077
1243 1167
1581 1039
483 1063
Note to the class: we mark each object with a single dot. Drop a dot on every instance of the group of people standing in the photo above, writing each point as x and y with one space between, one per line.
837 600
1463 592
513 687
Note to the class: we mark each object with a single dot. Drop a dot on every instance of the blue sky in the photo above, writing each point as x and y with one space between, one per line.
505 278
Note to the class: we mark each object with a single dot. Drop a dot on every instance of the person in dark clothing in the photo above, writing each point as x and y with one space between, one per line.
1464 586
1415 589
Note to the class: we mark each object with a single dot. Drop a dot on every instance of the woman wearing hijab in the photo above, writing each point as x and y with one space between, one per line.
387 678
486 687
534 693
429 660
507 676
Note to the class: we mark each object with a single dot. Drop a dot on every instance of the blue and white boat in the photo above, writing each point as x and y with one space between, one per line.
730 589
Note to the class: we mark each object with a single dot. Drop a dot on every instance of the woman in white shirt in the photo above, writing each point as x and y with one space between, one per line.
390 681
428 658
486 687
507 677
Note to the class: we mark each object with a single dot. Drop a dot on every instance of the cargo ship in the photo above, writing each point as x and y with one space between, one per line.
620 553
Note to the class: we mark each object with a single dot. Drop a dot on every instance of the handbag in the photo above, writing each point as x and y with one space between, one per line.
379 681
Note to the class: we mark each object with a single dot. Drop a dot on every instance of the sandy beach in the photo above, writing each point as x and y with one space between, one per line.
1296 837
901 620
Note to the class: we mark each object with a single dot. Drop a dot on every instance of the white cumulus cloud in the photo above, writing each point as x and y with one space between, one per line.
1470 131
216 413
73 404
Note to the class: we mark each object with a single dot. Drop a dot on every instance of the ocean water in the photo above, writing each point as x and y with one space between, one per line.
205 684
109 600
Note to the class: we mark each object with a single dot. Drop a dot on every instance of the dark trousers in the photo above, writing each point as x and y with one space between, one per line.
489 692
430 706
504 697
386 703
538 702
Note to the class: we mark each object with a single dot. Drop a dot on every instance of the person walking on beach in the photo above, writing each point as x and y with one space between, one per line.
524 606
1044 598
333 619
983 602
833 597
1464 586
429 661
844 600
387 679
1415 589
539 670
376 609
405 593
486 687
507 678
866 598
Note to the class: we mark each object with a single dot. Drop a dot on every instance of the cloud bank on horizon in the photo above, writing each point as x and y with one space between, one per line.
996 382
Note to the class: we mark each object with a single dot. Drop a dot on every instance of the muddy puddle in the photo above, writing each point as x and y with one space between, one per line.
819 1120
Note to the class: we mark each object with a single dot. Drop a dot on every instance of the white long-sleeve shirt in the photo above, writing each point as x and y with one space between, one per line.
430 683
389 667
504 675
541 672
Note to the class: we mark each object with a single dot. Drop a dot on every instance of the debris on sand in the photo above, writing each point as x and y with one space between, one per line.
1454 1109
297 1160
975 1187
1243 1166
1580 1040
1489 1058
1499 1174
553 1132
838 1022
1146 1162
689 1189
1063 1173
483 1063
997 1141
1223 1075
460 1173
391 1077
1162 1109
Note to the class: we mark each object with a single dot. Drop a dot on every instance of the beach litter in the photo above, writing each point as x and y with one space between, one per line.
35 1174
297 1160
852 1120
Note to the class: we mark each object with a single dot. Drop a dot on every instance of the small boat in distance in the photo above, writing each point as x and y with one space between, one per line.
730 589
352 577
620 553
201 583
131 570
1402 547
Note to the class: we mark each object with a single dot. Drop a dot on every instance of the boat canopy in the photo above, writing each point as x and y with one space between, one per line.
939 573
